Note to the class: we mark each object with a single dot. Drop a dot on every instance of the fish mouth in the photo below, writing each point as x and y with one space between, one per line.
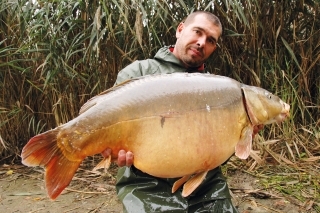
285 113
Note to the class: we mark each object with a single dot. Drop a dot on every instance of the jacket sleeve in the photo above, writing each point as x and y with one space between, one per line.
131 71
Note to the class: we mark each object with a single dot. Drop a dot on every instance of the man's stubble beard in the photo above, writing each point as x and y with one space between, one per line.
190 62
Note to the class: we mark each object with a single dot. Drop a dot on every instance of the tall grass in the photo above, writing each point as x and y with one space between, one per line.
55 56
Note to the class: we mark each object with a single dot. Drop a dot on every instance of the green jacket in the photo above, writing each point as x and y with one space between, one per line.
140 192
164 62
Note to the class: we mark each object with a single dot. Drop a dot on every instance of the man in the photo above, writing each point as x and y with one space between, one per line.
139 192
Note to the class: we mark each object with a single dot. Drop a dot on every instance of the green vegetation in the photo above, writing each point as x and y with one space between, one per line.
55 55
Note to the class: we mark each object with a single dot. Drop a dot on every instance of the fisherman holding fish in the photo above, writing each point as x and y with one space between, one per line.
139 192
167 131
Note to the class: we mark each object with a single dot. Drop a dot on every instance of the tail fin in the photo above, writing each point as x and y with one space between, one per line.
42 150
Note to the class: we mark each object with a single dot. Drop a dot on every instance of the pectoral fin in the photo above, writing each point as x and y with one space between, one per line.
244 145
179 183
105 163
193 183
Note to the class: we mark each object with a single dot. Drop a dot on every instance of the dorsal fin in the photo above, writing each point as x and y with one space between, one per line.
93 101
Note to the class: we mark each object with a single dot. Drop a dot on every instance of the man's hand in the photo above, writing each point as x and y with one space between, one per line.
256 129
124 158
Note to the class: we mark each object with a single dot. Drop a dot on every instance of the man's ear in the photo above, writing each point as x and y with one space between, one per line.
179 29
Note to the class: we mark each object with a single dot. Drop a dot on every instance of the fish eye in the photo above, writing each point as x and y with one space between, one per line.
269 95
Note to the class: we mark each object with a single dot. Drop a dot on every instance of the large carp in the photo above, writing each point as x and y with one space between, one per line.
176 125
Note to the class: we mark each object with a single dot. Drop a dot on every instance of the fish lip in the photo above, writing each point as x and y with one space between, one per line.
282 116
286 110
285 113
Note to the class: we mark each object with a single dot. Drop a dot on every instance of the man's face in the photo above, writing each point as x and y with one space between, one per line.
196 41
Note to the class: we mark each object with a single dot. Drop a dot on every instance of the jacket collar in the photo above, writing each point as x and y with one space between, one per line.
165 54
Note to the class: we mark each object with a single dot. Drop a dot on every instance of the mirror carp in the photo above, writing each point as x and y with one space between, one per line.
176 125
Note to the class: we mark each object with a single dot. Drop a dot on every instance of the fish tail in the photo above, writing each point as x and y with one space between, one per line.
42 150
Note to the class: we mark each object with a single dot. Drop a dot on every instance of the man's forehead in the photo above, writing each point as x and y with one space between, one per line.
206 25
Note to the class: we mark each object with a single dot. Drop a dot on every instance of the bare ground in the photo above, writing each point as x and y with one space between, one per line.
22 190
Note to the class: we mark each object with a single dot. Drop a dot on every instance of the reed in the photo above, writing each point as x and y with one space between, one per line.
55 56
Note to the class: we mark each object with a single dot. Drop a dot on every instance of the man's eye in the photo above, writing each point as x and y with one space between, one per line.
212 41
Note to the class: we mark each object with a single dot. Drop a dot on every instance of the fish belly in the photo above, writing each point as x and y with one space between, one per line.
184 144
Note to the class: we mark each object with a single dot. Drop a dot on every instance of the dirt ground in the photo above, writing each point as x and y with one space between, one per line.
22 190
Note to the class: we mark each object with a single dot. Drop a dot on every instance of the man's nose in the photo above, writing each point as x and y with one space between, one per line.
201 41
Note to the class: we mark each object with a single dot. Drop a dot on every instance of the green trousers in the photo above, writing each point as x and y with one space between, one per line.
142 193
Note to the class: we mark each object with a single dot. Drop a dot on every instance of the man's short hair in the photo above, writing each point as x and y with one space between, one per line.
210 16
